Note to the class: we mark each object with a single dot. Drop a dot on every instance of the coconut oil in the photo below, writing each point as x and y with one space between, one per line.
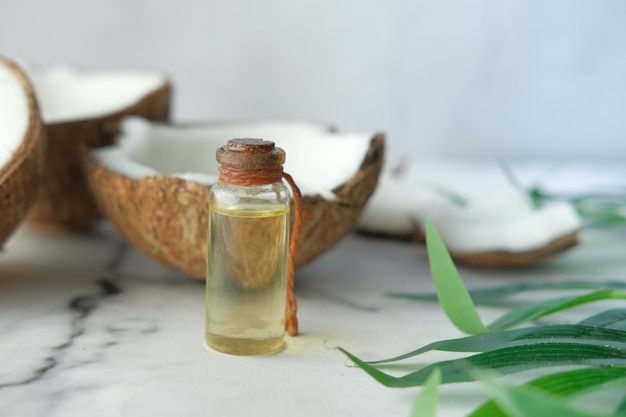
246 294
248 250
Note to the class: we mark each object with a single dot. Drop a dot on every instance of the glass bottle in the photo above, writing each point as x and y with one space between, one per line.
246 282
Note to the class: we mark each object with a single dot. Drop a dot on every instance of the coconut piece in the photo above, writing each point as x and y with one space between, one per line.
22 141
505 259
501 231
154 183
83 109
391 210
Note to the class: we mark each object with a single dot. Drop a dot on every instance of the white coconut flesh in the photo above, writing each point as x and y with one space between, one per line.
66 95
507 222
14 114
318 160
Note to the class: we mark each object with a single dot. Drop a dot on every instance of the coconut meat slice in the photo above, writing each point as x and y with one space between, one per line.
507 222
392 207
319 160
14 114
66 94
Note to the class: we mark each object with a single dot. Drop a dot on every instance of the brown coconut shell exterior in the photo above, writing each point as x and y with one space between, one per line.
65 202
20 178
166 217
325 222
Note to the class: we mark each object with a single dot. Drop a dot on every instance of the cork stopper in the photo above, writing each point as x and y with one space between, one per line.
250 154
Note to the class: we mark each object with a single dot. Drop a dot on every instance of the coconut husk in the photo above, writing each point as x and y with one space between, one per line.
65 202
21 176
325 222
503 259
166 217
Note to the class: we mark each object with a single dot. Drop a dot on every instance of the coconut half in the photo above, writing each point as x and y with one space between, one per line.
501 231
83 109
22 144
153 185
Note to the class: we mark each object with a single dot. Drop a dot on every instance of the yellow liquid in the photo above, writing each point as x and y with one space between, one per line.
246 286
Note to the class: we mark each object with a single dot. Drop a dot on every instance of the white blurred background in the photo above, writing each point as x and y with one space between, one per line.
487 78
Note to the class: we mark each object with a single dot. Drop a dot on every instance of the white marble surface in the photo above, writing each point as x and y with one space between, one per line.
90 326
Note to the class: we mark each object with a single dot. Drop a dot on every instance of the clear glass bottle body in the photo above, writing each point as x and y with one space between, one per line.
246 282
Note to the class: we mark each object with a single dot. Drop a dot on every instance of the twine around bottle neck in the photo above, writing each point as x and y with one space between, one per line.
250 177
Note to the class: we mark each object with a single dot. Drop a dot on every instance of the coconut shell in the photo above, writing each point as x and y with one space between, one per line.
166 217
503 259
325 222
65 202
21 176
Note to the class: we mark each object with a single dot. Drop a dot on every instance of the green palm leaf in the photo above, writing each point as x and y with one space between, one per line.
614 319
501 292
426 402
562 384
530 402
453 296
558 333
506 360
547 307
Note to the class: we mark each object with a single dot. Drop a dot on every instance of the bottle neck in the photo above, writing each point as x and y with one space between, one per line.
250 177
